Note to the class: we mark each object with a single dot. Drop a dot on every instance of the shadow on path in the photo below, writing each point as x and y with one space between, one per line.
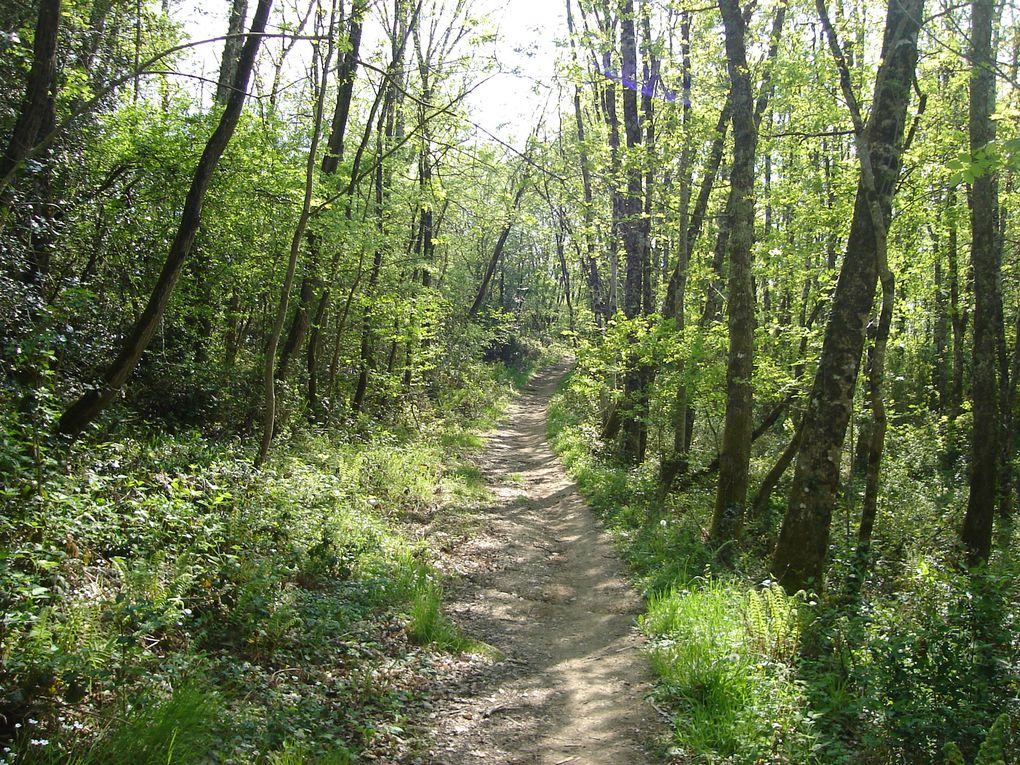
550 593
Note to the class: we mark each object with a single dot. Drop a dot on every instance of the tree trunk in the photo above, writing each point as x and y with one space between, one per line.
384 135
1007 479
88 407
759 505
41 77
345 75
632 232
595 286
268 376
800 555
976 534
673 306
560 234
940 334
313 352
341 325
231 49
497 251
322 310
736 449
302 315
958 317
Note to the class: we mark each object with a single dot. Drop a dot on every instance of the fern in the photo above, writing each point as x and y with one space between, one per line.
953 755
772 624
992 751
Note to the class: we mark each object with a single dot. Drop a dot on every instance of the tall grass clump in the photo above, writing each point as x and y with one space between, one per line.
726 659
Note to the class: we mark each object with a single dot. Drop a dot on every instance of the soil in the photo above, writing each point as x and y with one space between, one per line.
540 582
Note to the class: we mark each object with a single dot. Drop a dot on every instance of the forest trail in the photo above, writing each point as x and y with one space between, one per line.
543 584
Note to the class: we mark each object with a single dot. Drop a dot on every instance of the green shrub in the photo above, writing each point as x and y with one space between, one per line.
181 729
725 661
145 560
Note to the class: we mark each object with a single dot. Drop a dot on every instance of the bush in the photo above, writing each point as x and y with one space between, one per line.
726 662
144 561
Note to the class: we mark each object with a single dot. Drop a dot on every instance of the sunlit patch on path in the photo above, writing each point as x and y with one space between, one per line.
548 591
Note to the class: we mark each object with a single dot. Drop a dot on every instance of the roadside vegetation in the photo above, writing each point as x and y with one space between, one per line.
164 601
920 658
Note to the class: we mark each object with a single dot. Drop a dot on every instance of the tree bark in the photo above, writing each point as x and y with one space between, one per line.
35 106
1007 478
731 494
231 49
87 408
591 265
560 234
632 233
976 534
759 505
346 73
800 555
302 315
940 333
958 316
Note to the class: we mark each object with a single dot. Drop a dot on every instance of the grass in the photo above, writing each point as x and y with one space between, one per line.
166 603
924 658
724 660
429 626
724 652
295 755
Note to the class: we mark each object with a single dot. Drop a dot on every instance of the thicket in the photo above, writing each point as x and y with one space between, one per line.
921 658
164 601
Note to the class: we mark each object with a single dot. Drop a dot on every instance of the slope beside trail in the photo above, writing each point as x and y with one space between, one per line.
540 582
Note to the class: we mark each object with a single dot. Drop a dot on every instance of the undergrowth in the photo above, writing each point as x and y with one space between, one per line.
926 657
164 602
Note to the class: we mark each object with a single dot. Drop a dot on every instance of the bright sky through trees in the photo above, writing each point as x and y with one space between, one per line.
522 46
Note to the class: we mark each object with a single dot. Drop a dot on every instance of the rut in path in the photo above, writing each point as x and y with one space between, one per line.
548 591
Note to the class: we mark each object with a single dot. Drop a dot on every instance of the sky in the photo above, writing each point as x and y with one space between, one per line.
505 106
508 105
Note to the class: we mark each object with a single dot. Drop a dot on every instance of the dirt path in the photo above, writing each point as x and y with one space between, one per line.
543 584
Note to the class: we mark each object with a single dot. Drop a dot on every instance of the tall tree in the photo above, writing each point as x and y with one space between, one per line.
800 555
83 411
875 445
346 74
231 49
633 235
735 456
35 105
590 262
976 534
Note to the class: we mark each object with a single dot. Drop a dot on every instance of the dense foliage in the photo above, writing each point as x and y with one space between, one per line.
250 308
